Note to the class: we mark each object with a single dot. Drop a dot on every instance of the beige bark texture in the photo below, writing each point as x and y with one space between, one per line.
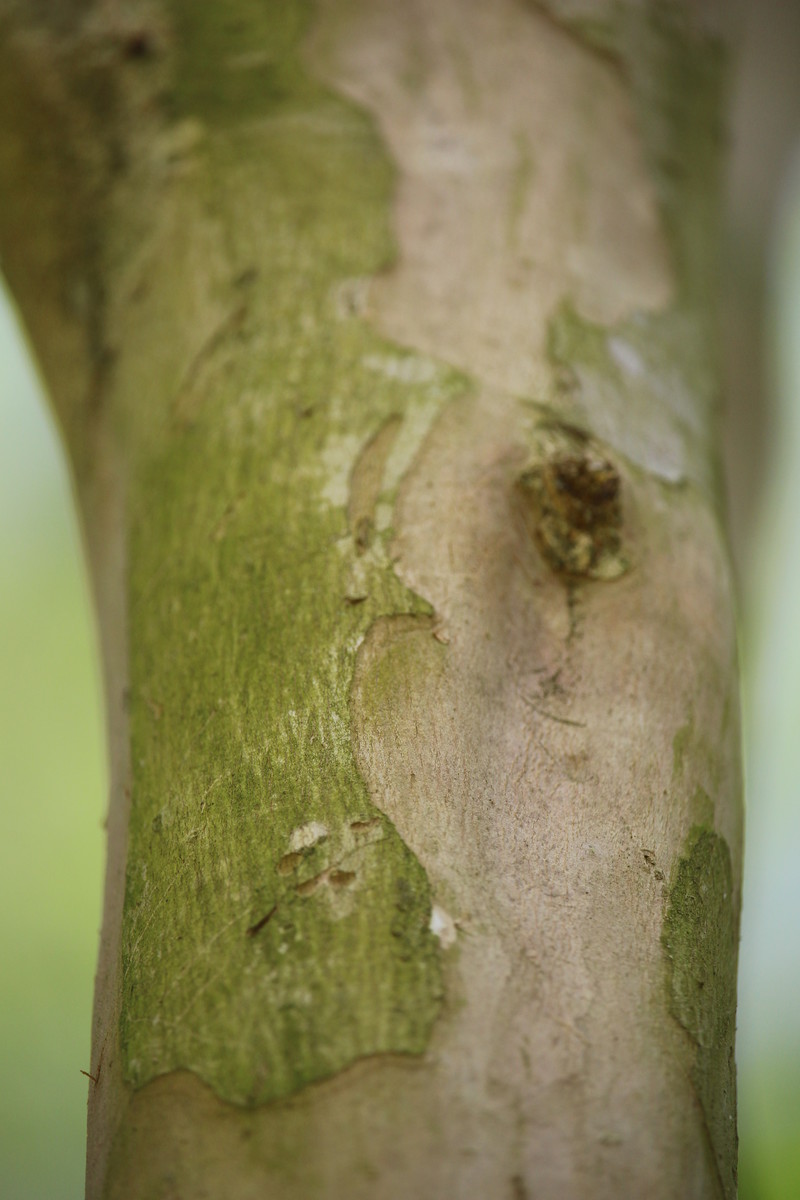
382 340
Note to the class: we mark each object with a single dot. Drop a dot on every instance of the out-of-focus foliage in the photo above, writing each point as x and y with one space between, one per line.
52 783
769 1009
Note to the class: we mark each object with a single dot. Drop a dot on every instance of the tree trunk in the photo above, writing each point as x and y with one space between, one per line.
381 337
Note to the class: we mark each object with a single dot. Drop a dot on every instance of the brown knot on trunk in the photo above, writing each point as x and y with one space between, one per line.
571 499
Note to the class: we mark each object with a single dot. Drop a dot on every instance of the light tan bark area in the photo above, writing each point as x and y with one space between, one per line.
498 217
533 773
546 848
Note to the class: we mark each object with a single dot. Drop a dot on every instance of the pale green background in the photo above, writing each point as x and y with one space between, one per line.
769 974
52 799
53 781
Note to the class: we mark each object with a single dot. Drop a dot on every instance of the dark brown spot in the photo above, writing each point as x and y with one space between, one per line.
341 878
362 534
573 503
584 490
309 886
253 929
518 1191
363 826
138 44
246 277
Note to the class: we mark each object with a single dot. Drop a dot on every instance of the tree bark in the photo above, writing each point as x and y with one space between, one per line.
382 340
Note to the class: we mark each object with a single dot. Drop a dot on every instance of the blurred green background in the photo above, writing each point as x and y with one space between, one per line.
52 800
768 1048
762 443
52 754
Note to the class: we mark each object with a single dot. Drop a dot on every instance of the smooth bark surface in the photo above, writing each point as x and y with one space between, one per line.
382 340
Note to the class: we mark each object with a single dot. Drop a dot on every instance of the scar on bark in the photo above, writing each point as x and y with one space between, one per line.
333 876
571 503
259 925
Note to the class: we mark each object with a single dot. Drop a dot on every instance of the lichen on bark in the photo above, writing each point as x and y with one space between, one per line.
700 937
275 925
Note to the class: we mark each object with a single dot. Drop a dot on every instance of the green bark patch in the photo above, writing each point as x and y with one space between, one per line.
276 927
239 58
700 937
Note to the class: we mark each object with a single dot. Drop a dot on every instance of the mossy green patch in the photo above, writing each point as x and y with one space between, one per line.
276 928
700 937
697 752
238 59
702 807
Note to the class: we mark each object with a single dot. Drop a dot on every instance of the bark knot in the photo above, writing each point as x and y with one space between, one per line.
572 504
